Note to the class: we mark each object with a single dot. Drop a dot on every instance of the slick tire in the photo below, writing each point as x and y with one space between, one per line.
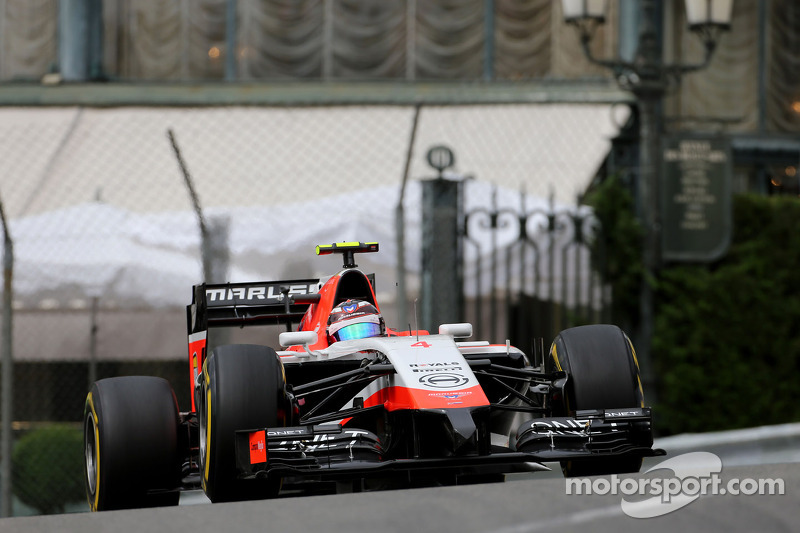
131 444
603 373
243 387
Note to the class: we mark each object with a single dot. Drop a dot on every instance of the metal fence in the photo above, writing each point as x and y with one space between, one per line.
107 244
533 270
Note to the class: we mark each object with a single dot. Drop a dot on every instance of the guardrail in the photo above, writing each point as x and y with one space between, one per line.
737 447
759 445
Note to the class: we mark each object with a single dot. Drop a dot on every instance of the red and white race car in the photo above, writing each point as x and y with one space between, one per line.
349 404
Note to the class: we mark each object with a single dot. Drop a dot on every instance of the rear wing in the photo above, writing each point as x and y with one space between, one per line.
250 304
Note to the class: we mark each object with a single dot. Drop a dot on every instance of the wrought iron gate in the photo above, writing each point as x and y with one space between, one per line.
528 273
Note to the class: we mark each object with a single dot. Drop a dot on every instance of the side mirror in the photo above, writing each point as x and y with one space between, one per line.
297 338
460 331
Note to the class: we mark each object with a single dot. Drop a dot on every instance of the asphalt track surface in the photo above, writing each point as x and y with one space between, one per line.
529 503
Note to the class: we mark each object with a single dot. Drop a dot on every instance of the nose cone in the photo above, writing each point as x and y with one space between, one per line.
464 430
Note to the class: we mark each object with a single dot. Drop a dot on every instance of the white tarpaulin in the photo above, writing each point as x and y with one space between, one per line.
134 260
99 208
51 158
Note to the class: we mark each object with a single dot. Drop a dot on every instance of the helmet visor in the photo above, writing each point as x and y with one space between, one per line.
358 331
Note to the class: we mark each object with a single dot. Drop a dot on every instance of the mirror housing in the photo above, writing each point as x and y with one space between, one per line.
461 330
297 338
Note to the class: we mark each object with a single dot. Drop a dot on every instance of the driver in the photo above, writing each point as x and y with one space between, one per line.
354 319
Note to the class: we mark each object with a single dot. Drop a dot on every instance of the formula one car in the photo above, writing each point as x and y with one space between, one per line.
351 405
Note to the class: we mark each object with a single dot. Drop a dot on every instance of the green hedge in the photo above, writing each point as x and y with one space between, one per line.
727 335
47 467
726 343
618 249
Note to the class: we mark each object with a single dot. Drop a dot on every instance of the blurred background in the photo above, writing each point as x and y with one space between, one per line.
525 166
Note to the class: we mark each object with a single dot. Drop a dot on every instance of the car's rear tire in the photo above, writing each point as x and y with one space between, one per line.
603 373
131 444
243 387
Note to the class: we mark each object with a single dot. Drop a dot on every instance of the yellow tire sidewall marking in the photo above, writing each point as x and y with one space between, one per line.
554 353
93 504
638 371
207 458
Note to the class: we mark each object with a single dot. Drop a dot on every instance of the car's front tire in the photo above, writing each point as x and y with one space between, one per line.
603 373
243 387
131 444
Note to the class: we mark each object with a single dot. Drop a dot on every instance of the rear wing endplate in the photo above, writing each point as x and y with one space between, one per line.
250 304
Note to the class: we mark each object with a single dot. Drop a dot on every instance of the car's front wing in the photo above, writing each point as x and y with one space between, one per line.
590 433
328 451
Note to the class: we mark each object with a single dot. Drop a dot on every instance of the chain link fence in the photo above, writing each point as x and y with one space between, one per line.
107 244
